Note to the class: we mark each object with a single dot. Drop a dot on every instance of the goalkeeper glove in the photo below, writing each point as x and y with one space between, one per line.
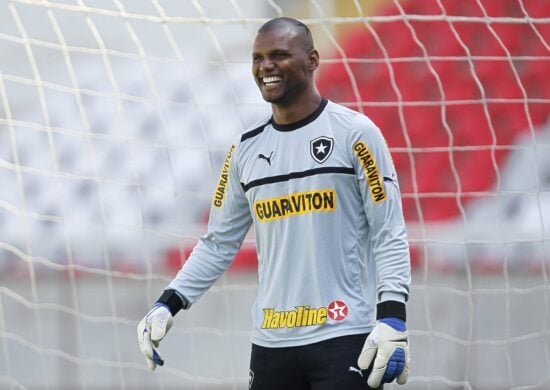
388 346
154 326
151 330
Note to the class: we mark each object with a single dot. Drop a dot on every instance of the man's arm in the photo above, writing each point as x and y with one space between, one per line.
382 204
387 346
228 225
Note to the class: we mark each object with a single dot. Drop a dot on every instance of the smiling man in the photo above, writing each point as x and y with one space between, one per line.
317 181
283 62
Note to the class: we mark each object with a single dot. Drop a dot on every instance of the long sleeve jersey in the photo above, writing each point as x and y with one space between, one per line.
331 241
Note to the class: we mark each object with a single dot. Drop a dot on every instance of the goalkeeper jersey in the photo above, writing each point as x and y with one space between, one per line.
323 197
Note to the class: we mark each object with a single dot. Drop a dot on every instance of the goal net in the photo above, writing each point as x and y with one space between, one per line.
115 116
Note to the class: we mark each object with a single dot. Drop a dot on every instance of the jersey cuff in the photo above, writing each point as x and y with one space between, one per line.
393 296
391 309
174 300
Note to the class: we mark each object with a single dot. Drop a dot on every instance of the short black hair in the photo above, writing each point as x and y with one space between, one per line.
301 29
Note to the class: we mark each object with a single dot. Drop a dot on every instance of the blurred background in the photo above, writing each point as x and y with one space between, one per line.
115 117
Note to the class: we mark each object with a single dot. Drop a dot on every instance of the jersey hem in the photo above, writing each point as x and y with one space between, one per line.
298 342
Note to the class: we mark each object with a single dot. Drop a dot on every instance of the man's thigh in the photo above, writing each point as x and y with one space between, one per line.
332 364
276 369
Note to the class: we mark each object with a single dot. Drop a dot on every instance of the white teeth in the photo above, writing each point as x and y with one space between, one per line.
271 79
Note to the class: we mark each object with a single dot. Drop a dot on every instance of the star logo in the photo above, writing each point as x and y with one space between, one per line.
321 148
337 310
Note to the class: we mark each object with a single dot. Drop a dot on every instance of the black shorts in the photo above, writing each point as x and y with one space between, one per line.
326 365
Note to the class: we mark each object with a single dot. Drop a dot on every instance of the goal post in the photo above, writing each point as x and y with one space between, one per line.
115 117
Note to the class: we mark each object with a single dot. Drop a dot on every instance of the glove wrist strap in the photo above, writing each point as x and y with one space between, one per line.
174 301
391 309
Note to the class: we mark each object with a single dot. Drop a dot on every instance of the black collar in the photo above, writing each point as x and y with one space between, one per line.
302 122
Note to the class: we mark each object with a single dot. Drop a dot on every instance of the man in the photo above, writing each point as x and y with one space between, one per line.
317 181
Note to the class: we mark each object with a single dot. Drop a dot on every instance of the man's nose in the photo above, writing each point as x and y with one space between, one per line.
266 64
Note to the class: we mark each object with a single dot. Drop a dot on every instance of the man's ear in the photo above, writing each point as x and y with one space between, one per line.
313 60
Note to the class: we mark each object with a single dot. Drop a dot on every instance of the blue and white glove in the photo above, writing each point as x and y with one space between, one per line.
151 330
388 346
154 326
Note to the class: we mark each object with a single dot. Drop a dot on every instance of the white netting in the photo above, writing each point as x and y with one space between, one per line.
114 120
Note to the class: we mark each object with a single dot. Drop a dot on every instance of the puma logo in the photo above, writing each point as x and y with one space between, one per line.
268 159
353 369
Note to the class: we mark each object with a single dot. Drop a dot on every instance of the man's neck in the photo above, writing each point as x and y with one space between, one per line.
299 109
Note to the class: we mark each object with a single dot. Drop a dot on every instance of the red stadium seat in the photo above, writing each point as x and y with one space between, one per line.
439 167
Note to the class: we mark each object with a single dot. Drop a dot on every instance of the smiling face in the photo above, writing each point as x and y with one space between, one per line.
283 62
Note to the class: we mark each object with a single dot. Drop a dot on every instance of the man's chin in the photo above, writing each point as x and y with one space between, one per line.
271 97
